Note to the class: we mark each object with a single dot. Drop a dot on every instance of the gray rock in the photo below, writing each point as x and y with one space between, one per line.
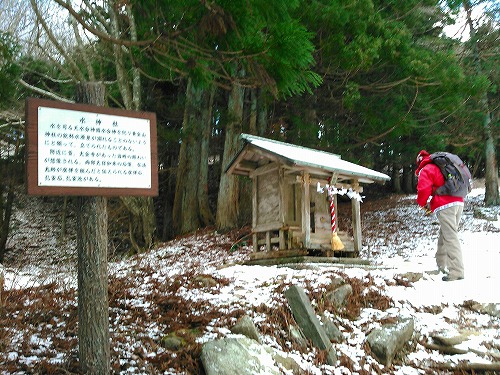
308 321
332 331
492 309
172 342
246 327
237 355
412 276
448 338
337 281
339 296
387 341
487 213
205 281
297 335
289 364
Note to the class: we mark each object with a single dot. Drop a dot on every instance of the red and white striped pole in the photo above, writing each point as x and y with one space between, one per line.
336 242
332 211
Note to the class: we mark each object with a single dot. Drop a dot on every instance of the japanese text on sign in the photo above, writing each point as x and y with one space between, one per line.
84 149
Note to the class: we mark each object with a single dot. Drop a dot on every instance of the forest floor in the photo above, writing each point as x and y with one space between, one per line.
195 287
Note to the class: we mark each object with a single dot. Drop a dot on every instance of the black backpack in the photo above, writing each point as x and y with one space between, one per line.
458 179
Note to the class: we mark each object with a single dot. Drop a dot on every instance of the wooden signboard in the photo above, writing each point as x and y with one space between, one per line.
87 150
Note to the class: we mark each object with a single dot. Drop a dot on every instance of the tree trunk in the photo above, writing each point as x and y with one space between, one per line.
491 195
227 202
6 214
408 186
252 121
11 173
92 241
142 221
262 118
185 212
396 178
64 215
206 215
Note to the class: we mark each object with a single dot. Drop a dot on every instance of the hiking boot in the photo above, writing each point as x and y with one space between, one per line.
439 271
452 278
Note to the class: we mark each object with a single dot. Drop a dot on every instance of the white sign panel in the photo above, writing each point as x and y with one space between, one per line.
85 149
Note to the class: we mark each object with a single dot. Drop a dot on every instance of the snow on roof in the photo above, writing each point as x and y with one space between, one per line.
303 156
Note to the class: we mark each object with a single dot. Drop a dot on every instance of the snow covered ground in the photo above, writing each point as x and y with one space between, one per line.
197 287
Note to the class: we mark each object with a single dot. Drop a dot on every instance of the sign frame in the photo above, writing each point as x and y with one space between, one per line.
33 149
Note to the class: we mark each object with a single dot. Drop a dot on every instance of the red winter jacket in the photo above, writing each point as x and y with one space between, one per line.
429 179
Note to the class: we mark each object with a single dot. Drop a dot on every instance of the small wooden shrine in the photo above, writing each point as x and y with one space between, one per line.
291 212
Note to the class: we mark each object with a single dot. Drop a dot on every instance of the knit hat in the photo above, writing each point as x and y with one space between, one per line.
421 155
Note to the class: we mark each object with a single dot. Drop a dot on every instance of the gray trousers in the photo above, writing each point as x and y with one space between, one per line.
449 252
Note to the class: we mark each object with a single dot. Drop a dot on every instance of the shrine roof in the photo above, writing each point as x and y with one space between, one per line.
258 152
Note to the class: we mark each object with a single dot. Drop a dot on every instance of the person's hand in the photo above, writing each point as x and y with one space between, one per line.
427 209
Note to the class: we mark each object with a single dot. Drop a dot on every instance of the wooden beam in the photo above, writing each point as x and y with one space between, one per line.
282 243
247 165
338 185
282 197
255 242
254 213
277 254
306 210
270 167
268 241
268 227
356 223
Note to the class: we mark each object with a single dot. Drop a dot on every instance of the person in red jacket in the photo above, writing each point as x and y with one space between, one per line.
448 210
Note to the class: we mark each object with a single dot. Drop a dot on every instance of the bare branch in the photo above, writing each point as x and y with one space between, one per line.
55 42
101 35
121 74
80 46
44 92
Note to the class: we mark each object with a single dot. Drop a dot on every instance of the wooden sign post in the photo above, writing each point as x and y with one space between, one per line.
92 152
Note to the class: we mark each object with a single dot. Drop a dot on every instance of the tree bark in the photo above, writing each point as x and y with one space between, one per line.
5 212
227 202
92 241
491 194
262 115
252 121
9 175
408 185
396 178
206 215
185 212
142 221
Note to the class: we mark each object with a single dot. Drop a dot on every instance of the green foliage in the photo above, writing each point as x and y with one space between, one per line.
213 42
391 82
288 57
351 95
9 70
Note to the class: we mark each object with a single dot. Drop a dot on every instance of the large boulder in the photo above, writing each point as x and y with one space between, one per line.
387 341
243 356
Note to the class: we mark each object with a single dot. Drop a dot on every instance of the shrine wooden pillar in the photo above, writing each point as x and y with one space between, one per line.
356 219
